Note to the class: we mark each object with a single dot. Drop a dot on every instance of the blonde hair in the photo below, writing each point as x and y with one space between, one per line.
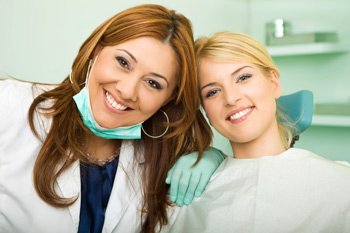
237 47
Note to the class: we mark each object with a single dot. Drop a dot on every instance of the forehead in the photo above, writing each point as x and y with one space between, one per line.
150 53
145 44
211 67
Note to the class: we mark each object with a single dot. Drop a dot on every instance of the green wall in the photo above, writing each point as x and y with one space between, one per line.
326 75
331 142
40 39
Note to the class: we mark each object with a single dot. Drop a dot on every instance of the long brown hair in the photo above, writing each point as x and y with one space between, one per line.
189 130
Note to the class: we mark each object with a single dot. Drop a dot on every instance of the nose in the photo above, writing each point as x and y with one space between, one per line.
128 88
231 96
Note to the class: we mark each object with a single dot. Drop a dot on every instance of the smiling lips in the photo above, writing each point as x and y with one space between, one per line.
241 115
113 103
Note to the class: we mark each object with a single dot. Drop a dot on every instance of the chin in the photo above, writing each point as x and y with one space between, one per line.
106 124
239 139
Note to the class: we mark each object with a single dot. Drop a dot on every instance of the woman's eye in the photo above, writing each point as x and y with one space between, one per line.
243 77
123 62
154 84
211 93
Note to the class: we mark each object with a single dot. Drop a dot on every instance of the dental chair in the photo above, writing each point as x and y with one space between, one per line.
298 107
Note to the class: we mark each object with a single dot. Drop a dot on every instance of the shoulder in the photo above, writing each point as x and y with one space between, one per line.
15 99
291 164
321 167
14 90
302 153
10 87
16 96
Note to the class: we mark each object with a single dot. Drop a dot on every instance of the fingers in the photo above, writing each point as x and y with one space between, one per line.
195 178
184 179
204 179
182 188
169 175
174 184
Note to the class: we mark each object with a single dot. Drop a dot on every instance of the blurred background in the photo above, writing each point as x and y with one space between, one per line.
308 40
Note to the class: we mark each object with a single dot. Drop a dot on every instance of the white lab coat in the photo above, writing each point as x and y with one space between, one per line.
296 191
21 209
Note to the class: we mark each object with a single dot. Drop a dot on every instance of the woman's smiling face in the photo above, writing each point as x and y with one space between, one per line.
131 81
239 99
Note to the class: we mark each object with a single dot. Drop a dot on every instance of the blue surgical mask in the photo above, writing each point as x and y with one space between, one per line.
82 100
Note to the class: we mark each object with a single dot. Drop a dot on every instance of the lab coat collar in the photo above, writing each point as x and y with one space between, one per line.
126 187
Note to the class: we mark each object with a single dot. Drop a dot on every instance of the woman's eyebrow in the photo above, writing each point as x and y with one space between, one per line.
207 85
232 74
239 69
160 76
152 73
130 54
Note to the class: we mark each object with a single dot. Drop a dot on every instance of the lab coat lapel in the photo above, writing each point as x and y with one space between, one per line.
126 188
69 185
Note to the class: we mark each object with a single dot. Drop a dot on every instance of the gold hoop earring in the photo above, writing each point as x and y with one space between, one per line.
165 131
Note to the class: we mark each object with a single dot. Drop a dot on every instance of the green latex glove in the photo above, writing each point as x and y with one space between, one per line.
187 181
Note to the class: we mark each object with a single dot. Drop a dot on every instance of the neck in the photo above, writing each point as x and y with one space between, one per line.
268 144
101 148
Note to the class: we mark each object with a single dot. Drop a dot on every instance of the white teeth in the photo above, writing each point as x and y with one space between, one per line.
114 104
240 114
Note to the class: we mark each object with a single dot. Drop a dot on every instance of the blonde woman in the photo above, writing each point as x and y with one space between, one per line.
267 186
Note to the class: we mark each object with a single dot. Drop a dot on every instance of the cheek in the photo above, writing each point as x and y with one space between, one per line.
151 103
211 110
257 91
103 74
260 94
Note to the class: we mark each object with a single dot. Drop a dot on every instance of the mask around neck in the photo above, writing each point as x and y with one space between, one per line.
82 101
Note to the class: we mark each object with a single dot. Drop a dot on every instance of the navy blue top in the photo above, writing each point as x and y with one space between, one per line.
96 187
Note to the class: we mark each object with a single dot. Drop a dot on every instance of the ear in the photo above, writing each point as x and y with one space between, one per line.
276 85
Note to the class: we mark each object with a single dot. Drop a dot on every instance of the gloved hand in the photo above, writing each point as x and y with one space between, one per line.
186 180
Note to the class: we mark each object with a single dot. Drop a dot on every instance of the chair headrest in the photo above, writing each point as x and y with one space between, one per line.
299 108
